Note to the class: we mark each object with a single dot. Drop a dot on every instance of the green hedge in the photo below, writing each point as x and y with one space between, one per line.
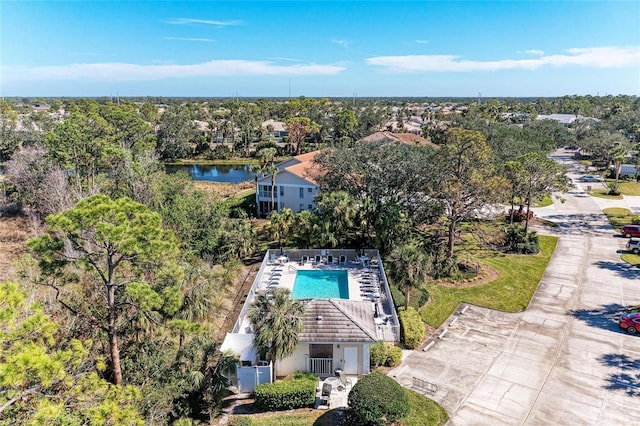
378 400
285 395
411 326
385 354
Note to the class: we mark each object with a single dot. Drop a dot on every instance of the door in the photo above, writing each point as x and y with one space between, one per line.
351 360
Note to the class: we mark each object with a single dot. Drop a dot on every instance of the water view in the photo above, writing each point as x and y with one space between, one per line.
235 173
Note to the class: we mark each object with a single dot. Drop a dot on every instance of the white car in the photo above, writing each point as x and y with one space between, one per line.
633 246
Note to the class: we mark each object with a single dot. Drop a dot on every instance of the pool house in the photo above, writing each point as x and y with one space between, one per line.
348 307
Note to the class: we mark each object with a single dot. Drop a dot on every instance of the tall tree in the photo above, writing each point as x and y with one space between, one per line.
280 223
276 320
540 176
299 128
344 125
130 258
9 139
618 154
176 130
338 210
409 267
45 379
82 143
467 182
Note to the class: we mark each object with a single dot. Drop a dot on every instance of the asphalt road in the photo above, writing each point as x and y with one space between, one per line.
563 361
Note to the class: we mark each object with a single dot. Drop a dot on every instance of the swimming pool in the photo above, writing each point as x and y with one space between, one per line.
316 284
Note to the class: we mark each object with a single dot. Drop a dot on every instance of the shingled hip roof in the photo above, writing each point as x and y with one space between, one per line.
338 320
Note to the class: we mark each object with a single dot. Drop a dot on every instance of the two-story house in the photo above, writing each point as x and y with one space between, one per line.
295 186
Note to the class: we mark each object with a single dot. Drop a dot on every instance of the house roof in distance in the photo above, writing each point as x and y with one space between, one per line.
338 320
408 138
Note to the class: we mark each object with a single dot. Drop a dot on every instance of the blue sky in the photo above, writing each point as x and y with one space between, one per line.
314 49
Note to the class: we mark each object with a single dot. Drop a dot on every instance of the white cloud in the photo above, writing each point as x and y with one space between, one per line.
594 57
536 52
115 71
183 21
343 43
189 39
282 58
422 41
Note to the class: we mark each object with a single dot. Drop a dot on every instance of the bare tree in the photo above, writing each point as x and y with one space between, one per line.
38 184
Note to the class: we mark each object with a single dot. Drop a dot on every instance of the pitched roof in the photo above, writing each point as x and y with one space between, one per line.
278 126
302 166
408 138
338 320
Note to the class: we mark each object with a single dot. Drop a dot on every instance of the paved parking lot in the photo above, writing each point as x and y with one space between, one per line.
563 361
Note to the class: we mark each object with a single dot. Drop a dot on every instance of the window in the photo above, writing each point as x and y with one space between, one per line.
301 192
265 191
309 190
282 191
320 351
309 207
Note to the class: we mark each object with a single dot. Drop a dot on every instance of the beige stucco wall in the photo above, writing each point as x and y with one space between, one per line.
299 360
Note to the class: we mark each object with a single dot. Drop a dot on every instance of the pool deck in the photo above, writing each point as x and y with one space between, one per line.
284 276
363 280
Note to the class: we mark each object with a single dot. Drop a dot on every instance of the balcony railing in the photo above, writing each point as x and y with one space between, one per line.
321 366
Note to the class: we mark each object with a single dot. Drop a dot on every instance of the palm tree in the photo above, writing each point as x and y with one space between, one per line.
618 153
303 228
266 156
280 224
277 322
258 170
409 267
272 169
339 210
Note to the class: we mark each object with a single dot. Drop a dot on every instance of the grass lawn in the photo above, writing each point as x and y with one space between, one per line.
312 417
544 202
631 259
618 217
423 412
629 188
518 279
604 193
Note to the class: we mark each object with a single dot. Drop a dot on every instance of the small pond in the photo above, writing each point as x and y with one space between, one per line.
235 173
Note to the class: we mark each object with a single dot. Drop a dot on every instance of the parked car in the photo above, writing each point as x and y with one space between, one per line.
630 322
629 231
590 178
633 246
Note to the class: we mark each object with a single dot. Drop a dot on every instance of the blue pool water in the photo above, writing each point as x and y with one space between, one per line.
316 284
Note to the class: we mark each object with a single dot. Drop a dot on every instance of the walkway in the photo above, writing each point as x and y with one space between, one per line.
564 360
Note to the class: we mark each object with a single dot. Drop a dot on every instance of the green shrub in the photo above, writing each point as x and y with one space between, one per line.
517 241
220 152
285 395
411 327
636 220
378 400
267 144
394 356
385 354
397 295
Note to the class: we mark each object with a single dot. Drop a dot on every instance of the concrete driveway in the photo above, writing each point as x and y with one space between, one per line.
564 360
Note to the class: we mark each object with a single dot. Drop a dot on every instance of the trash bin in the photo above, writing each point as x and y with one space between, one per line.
588 187
337 372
